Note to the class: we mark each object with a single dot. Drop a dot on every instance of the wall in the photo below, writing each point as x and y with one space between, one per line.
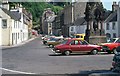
77 29
68 15
118 18
111 31
79 9
0 31
6 31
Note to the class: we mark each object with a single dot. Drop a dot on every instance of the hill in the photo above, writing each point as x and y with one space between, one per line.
37 8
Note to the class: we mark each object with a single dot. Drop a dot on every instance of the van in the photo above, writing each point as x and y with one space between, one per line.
79 36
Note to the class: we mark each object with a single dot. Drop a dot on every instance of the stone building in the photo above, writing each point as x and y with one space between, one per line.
47 19
72 13
58 24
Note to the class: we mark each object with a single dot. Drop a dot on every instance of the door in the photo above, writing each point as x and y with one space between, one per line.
74 45
84 46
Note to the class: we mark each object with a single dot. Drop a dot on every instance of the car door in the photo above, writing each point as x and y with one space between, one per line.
83 46
74 45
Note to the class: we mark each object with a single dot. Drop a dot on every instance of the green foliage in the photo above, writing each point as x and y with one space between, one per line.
37 9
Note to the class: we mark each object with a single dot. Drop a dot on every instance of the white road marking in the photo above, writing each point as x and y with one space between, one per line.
16 71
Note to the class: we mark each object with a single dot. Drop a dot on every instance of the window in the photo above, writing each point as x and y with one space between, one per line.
75 42
77 36
84 43
114 35
18 35
107 26
14 24
72 28
50 26
4 23
113 25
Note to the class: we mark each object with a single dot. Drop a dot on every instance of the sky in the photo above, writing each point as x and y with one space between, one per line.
108 3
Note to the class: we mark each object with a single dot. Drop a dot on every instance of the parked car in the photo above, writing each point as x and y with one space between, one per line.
116 61
54 41
111 46
47 39
76 45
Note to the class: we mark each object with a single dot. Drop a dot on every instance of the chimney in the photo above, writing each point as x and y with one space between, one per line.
5 4
114 6
119 4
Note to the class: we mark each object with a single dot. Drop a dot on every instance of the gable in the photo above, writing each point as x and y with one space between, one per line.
3 14
112 17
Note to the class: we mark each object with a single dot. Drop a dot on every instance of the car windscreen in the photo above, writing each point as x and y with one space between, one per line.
111 40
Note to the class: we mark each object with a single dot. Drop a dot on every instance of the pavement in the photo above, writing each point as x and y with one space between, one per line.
20 44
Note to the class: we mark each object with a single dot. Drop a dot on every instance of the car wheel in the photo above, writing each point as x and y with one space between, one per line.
51 46
67 53
94 51
114 51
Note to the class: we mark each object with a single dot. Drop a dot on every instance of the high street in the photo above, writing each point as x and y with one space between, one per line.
36 58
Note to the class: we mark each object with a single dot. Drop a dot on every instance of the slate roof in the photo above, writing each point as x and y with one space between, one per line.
80 21
13 15
16 14
112 17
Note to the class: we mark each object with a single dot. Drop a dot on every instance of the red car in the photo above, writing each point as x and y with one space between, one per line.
111 46
75 46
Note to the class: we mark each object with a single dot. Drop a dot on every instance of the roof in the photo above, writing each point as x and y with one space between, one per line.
13 15
16 14
112 17
80 21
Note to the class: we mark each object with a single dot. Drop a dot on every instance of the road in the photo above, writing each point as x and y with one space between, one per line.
36 58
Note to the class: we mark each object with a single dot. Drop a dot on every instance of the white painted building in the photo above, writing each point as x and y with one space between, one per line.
118 18
79 27
111 25
0 30
13 26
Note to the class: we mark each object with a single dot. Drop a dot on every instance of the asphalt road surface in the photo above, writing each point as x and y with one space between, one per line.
36 58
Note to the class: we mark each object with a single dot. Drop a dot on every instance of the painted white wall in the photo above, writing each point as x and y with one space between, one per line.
15 32
118 18
5 32
77 29
111 31
0 31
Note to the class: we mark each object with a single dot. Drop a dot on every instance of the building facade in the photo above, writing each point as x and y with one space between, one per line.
78 27
73 13
58 24
112 23
47 19
14 25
